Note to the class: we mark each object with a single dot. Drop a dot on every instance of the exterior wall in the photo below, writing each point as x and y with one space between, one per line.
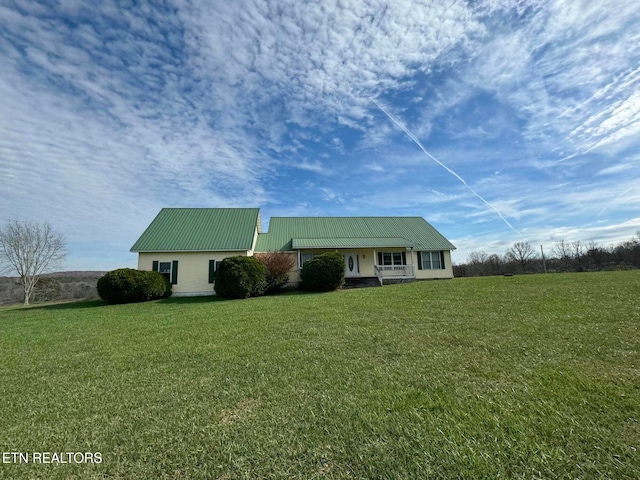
366 260
193 269
446 272
411 260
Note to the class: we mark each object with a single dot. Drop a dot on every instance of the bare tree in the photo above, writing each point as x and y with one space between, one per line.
521 252
578 251
476 261
562 251
30 249
495 264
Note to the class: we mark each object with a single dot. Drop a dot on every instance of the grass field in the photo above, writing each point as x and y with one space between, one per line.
521 377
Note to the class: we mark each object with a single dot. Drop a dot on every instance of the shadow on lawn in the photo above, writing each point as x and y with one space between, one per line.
77 305
100 303
70 305
190 300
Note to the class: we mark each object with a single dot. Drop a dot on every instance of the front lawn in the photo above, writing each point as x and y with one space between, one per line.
521 377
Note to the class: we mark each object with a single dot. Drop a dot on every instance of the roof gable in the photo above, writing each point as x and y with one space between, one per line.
200 229
318 232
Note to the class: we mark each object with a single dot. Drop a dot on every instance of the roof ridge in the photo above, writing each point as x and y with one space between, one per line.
210 208
358 216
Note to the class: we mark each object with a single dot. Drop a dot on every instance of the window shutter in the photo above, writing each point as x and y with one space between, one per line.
379 258
174 272
155 267
441 259
419 260
212 270
404 258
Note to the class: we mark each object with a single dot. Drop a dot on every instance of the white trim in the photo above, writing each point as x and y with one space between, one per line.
189 251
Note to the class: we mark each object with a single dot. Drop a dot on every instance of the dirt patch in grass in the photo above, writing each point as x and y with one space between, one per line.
239 413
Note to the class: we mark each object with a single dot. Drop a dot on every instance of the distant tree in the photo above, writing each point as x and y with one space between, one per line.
596 255
562 251
30 249
47 289
627 253
521 253
476 263
494 263
577 250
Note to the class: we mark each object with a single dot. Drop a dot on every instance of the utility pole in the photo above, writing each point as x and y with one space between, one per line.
544 264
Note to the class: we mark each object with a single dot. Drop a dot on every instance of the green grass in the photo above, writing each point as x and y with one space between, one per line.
522 377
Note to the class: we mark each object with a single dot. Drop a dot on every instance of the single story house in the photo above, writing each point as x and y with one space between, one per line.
185 245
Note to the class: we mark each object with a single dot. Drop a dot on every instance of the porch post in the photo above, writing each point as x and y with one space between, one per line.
413 262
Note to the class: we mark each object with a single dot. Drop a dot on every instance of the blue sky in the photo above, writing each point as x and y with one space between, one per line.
497 121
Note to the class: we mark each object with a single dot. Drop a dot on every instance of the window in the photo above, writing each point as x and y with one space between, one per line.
305 257
213 266
165 270
392 258
168 270
431 260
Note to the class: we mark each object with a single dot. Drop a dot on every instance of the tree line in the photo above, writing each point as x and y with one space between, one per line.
564 256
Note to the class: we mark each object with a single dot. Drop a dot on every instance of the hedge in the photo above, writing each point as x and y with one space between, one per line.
240 277
323 273
127 285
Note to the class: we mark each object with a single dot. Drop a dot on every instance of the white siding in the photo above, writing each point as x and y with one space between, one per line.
193 269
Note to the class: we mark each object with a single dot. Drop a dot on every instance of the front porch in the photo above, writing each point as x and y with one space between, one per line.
370 266
394 271
388 274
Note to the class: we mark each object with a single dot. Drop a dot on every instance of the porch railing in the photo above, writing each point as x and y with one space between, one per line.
394 271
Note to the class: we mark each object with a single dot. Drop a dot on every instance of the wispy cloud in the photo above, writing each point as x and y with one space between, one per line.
462 180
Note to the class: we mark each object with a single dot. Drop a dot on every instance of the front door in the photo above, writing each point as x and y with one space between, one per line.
351 265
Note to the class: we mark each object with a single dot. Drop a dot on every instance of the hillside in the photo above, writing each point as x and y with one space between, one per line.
52 287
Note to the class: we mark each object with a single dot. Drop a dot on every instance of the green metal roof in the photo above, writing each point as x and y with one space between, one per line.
200 229
333 232
362 242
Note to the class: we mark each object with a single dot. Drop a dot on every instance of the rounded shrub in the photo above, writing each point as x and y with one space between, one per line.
127 285
323 273
240 277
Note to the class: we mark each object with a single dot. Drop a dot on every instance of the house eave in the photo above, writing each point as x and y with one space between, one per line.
194 251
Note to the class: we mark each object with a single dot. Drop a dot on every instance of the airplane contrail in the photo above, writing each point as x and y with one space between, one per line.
419 143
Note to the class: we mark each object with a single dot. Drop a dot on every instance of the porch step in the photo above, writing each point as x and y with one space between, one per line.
394 281
361 282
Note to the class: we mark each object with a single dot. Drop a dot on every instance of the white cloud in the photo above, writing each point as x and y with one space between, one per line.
316 167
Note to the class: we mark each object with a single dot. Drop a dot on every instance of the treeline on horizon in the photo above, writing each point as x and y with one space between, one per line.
564 256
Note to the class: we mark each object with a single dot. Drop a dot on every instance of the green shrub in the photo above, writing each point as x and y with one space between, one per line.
240 277
126 285
323 273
